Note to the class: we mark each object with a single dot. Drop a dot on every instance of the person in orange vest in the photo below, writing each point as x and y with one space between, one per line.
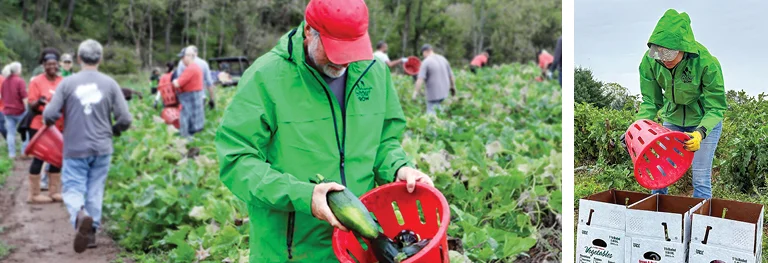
479 61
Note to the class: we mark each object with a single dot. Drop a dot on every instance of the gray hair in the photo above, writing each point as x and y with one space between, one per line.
6 71
90 52
190 50
15 68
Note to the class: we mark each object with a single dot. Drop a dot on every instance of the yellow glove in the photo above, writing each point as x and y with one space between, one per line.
694 143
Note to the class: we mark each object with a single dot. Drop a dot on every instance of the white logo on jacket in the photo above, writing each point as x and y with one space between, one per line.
88 94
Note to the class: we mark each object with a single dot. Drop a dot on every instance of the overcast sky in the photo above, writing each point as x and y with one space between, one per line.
611 37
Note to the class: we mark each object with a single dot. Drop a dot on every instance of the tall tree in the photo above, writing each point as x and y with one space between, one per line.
172 6
70 11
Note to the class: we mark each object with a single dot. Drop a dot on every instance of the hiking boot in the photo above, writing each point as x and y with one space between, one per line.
34 191
84 231
92 239
55 186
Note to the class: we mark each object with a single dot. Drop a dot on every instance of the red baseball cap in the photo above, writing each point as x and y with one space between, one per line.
343 28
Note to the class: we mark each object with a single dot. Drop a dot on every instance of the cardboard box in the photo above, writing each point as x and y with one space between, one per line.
727 231
601 234
608 209
601 245
660 228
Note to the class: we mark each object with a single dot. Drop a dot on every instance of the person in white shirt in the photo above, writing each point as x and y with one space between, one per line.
381 55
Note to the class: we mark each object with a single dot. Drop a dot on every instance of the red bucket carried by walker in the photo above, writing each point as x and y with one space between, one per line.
658 154
47 145
171 115
380 201
412 66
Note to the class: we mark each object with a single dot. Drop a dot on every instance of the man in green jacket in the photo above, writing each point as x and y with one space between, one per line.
315 104
681 78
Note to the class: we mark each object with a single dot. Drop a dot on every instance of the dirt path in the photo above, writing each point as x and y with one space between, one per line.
42 233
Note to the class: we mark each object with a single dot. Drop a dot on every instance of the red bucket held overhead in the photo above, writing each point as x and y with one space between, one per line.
657 154
171 115
380 201
411 67
47 145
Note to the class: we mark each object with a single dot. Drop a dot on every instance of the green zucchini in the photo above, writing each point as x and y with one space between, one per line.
411 250
384 249
351 212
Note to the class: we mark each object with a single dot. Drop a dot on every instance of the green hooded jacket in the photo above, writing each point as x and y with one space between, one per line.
690 94
284 125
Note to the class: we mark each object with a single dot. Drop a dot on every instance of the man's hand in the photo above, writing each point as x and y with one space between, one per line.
404 60
41 101
415 94
320 209
453 91
211 104
411 176
694 143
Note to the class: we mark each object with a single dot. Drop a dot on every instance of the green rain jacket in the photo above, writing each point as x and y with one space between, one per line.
284 125
692 93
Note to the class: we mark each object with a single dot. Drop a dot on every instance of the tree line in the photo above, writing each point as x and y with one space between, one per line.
143 33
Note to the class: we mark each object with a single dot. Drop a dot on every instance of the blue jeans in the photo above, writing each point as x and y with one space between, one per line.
2 124
702 161
11 122
433 106
192 115
83 182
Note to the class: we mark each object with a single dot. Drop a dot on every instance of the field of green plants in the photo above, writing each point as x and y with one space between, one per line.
494 153
741 159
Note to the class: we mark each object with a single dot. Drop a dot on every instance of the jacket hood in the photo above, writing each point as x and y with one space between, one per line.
291 45
674 31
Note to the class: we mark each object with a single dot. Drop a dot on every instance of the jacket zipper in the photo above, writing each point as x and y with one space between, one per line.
673 91
291 221
339 144
344 121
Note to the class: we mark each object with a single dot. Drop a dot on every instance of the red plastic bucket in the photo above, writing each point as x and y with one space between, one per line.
657 153
169 97
171 115
411 67
47 145
380 201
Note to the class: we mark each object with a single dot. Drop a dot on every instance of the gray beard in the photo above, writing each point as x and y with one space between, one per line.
326 69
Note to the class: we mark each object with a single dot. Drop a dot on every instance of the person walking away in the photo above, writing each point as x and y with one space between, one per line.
66 65
557 64
207 77
14 96
190 92
381 55
41 89
86 100
153 80
165 81
681 78
479 61
436 73
284 126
